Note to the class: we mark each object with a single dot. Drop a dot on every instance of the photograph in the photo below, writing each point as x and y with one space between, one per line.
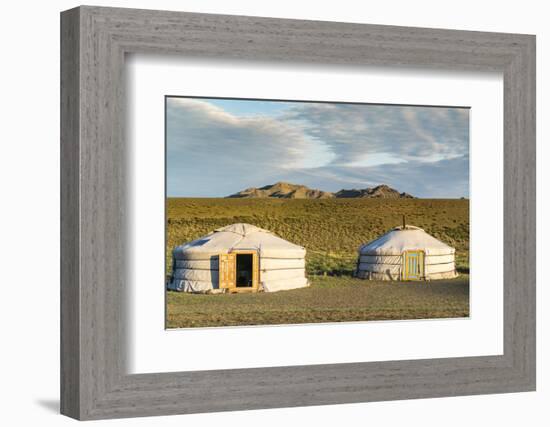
298 211
267 213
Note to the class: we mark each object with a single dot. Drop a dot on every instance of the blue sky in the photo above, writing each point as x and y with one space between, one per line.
217 147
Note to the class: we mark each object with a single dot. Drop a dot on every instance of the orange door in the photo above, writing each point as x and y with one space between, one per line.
227 267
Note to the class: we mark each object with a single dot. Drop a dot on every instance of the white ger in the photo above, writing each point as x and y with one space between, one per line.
406 253
238 258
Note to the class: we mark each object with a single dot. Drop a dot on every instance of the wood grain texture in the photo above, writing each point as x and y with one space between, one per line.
70 221
94 381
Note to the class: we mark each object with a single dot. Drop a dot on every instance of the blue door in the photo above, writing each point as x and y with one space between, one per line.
413 268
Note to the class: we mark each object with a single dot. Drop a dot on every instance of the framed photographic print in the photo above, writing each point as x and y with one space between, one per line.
284 213
332 249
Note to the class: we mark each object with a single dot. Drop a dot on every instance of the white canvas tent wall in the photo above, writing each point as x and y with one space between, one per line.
196 264
386 257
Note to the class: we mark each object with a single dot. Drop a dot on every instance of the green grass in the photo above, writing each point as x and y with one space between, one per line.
328 299
331 230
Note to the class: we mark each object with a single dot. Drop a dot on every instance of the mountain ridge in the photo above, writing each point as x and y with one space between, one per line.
286 190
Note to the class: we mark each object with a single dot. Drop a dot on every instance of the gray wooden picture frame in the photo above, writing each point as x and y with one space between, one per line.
94 41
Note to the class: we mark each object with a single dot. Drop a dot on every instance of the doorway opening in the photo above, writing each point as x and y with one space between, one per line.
245 276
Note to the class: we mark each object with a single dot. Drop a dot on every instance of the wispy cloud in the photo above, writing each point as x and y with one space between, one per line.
355 132
213 152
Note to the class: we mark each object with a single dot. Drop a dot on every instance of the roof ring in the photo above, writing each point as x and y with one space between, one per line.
406 227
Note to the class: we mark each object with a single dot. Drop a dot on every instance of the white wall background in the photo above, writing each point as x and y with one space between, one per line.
29 224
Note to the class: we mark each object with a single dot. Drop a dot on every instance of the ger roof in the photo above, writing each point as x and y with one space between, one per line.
407 238
241 236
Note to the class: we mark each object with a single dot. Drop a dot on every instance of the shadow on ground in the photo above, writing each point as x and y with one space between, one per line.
51 405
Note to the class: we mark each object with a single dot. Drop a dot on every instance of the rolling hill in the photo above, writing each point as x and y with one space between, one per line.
286 190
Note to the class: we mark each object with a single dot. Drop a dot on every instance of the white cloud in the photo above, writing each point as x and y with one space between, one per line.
201 131
211 152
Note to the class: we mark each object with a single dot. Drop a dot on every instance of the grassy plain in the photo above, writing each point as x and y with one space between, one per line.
328 299
331 230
